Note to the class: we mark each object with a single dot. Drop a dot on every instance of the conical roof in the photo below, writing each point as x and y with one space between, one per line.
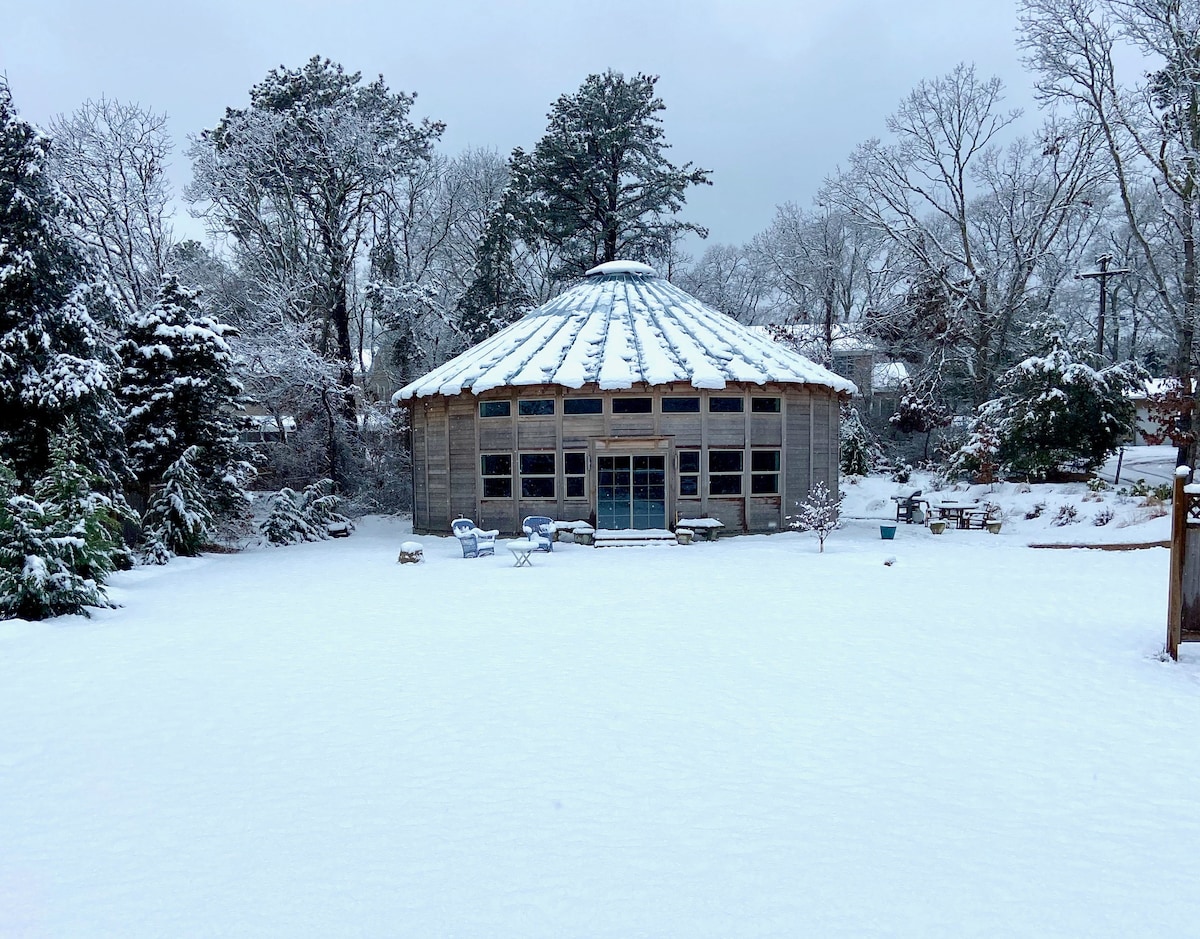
623 324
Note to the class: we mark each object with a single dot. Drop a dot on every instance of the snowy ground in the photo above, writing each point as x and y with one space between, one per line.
721 740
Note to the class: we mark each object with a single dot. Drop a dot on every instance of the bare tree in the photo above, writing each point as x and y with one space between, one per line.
1150 127
111 160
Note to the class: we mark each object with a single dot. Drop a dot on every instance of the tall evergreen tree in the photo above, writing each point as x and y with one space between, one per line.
52 363
178 517
597 185
178 390
496 296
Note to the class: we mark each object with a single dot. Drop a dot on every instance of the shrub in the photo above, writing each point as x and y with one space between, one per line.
1066 515
1036 511
1103 517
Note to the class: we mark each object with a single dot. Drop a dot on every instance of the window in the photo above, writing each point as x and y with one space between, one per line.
681 405
575 473
726 405
689 472
496 469
583 406
537 475
495 408
725 472
632 405
764 405
764 472
535 407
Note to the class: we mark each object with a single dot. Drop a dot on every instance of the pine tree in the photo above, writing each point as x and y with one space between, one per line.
53 364
1055 408
597 185
858 450
41 557
178 516
495 297
69 494
178 390
304 516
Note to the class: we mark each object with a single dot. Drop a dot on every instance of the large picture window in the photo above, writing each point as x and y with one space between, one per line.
764 472
496 469
725 472
537 475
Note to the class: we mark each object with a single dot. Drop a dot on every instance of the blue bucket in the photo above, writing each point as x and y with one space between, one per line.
887 532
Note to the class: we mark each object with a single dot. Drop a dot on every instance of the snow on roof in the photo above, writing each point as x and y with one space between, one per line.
886 376
622 325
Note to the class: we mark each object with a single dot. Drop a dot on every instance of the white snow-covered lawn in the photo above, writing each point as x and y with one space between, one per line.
735 739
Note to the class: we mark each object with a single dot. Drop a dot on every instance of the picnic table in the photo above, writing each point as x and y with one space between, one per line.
964 513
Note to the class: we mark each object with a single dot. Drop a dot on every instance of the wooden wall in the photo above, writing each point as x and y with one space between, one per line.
449 436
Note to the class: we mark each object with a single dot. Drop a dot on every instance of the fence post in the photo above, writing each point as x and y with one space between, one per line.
1179 514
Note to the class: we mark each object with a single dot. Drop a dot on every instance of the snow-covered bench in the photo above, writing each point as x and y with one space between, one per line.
706 528
624 537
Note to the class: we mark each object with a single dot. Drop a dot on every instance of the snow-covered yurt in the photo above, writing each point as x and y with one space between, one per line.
628 403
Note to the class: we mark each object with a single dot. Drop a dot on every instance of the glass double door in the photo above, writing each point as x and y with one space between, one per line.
631 492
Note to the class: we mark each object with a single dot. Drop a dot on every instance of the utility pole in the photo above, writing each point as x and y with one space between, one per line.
1102 275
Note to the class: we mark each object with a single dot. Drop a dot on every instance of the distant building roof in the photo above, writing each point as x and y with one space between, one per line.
623 325
888 376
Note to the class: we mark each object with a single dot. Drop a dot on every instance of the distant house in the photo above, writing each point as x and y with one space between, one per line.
627 402
852 355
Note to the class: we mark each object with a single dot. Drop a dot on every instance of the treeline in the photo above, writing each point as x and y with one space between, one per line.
348 253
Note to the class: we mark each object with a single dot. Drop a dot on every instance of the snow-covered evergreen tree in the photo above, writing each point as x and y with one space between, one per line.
305 516
819 513
858 449
178 390
69 493
53 364
42 559
1055 408
178 515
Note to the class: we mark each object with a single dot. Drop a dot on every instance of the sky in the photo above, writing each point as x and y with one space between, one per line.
770 95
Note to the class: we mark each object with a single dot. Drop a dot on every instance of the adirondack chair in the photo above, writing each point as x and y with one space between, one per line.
475 542
540 528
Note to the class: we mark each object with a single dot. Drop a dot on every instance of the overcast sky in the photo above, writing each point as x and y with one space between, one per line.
770 95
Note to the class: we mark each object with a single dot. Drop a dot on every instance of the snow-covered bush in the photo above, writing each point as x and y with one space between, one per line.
820 513
304 516
1036 510
1066 515
1103 517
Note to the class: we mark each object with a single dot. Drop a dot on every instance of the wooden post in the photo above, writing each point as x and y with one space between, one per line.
1179 514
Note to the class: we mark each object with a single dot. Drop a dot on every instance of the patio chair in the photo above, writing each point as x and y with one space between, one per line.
540 528
475 542
909 510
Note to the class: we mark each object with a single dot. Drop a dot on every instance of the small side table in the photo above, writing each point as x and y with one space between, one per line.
521 551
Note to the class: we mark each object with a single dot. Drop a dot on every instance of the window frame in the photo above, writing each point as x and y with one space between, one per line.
487 477
726 476
538 478
525 407
713 399
677 399
760 476
568 403
504 402
756 408
627 401
688 474
580 477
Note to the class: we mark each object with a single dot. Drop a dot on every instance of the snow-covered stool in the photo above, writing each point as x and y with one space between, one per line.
411 552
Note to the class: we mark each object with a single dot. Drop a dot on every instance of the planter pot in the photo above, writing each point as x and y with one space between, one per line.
937 527
887 532
993 528
684 535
